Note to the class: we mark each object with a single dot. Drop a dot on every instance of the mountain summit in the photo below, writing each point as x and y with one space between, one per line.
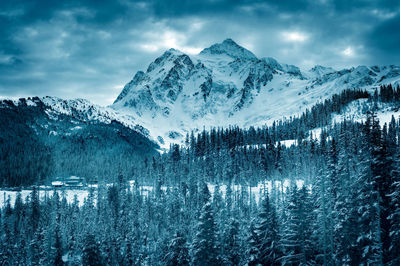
227 84
230 48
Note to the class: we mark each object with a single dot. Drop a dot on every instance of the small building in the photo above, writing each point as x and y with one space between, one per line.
57 184
72 181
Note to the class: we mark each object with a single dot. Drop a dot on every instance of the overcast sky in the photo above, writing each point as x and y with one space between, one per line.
90 49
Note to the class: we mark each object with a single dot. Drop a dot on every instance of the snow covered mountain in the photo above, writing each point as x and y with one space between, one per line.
49 117
227 84
77 109
43 138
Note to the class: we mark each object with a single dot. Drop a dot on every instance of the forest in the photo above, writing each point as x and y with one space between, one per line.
346 213
37 145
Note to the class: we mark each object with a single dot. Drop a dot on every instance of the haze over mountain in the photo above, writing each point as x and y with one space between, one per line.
227 84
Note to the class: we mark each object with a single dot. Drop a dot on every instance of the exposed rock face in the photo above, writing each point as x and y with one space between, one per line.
227 84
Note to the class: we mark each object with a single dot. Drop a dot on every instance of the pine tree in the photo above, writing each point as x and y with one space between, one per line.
129 258
39 255
395 217
382 167
204 244
269 250
324 202
394 196
178 252
231 245
296 241
34 208
345 193
253 244
204 194
367 204
58 249
91 254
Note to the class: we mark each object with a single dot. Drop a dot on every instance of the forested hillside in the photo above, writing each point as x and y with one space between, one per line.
38 145
346 213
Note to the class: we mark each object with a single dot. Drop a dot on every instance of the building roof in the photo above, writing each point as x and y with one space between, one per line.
74 178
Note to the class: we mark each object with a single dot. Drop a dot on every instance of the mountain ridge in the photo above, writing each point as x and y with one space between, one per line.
54 137
226 84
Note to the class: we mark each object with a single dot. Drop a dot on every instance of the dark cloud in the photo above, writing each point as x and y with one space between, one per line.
91 48
384 38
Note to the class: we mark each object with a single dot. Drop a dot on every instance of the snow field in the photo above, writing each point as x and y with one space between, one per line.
255 192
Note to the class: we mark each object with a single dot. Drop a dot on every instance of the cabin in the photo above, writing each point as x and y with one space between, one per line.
57 184
74 181
70 182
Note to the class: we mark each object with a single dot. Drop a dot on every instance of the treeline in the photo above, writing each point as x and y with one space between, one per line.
387 93
296 128
36 148
347 213
38 145
249 155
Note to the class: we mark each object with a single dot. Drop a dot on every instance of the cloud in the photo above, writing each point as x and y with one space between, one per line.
348 51
89 49
165 38
294 36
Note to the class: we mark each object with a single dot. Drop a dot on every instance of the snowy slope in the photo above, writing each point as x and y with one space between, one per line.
79 109
357 111
228 85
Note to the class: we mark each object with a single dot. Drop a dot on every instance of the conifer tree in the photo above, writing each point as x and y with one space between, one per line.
231 245
91 254
204 244
268 235
367 204
253 244
395 217
178 252
58 249
296 242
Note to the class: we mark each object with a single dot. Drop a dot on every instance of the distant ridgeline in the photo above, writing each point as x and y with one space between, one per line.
38 144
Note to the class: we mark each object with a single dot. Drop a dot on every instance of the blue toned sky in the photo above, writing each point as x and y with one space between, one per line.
90 49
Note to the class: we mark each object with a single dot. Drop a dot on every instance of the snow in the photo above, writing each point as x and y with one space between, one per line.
87 111
257 192
289 142
57 183
29 102
228 66
69 195
355 111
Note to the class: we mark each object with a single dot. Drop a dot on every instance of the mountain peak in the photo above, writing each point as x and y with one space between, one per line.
229 41
230 48
319 70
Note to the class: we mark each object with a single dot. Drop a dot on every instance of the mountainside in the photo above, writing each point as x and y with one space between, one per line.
228 85
51 137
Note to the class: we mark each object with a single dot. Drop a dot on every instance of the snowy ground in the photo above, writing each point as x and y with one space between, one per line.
354 112
257 192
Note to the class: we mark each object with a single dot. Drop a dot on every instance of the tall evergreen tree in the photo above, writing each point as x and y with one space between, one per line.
204 244
268 235
297 245
178 251
231 246
91 254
